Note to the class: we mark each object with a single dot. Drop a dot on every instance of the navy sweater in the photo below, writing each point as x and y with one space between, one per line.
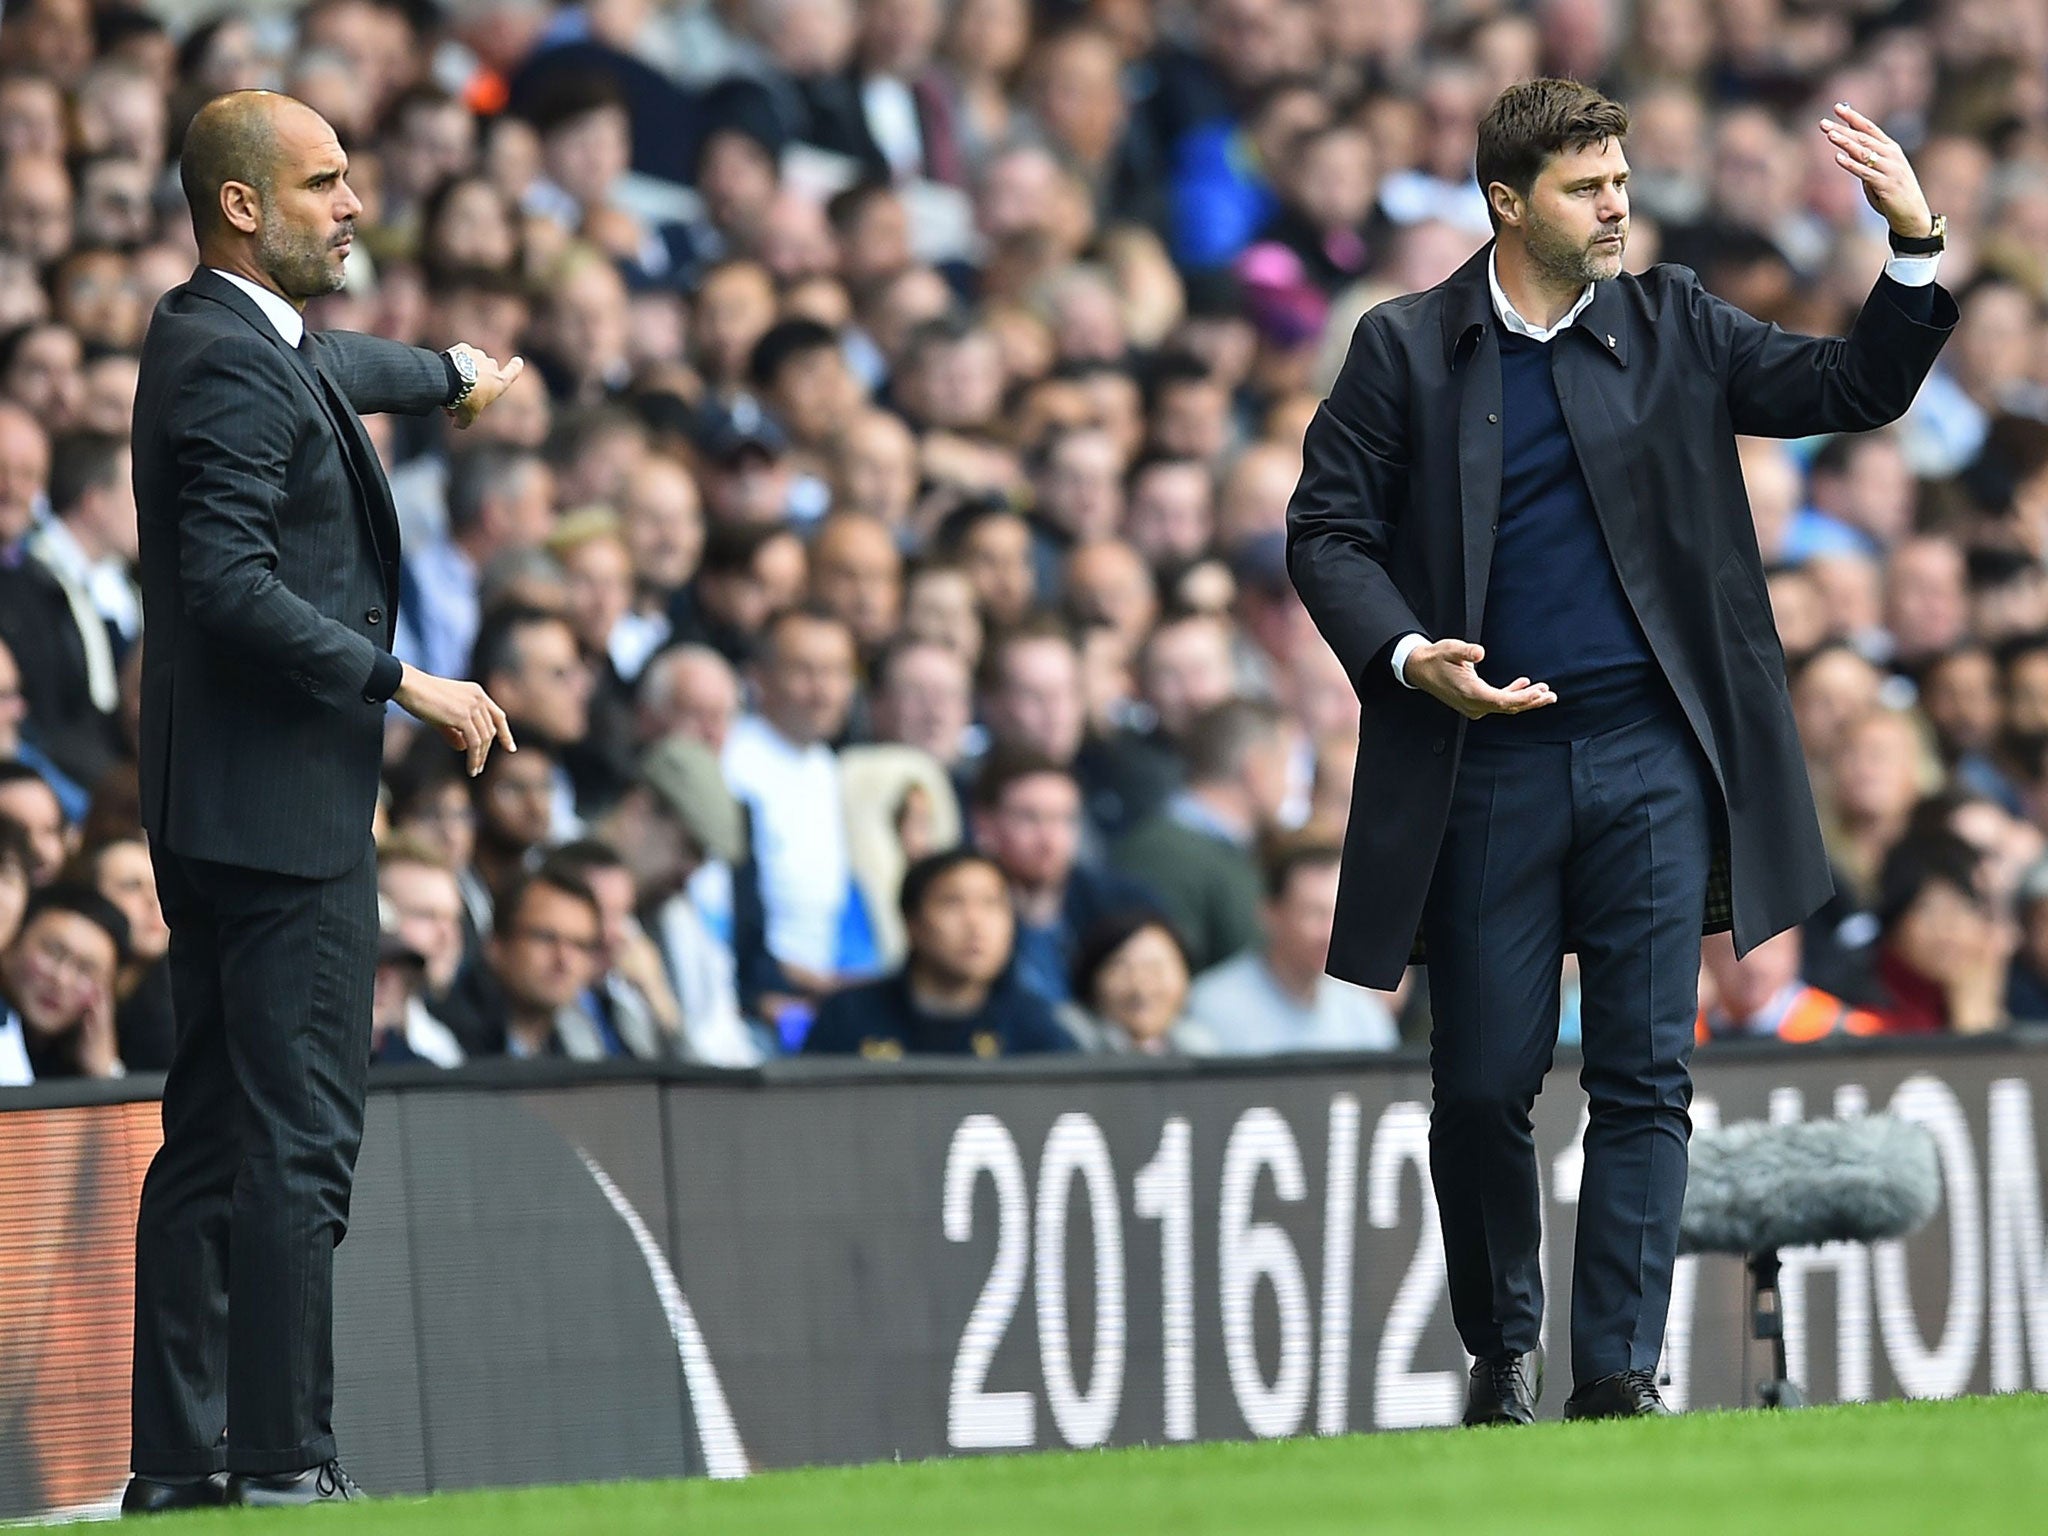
1555 610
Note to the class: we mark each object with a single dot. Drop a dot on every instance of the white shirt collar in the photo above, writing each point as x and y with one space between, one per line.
1515 322
277 309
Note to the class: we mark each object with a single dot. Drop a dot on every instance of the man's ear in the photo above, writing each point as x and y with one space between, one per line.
240 206
1506 202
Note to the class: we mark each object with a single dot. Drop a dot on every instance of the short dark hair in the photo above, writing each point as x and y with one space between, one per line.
1535 119
85 902
505 910
846 207
933 867
571 95
730 549
802 613
1288 857
1110 934
1918 861
1032 628
497 640
582 858
1005 766
784 341
81 462
1219 738
18 772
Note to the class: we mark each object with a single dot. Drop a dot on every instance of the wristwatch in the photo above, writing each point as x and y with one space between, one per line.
465 370
1930 244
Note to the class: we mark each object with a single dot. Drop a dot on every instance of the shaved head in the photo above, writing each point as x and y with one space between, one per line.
233 138
266 181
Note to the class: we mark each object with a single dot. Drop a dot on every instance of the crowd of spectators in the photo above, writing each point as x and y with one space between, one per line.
883 562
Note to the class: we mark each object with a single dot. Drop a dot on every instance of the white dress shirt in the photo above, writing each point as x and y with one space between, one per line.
15 1072
1910 271
277 309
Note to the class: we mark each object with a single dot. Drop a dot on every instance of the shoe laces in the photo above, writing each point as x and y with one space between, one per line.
1641 1387
333 1482
1508 1375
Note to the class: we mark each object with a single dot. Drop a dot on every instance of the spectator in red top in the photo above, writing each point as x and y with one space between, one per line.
1945 944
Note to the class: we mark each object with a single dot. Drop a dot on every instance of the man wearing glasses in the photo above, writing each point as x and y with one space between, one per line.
543 954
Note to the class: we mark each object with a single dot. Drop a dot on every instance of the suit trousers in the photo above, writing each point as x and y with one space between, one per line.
1600 845
242 1207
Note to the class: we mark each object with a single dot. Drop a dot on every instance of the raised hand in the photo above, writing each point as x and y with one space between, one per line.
1873 157
491 382
1448 670
468 719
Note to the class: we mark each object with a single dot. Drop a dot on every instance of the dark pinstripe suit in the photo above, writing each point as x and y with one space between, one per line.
270 587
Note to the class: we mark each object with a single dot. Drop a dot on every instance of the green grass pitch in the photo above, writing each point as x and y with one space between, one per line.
1963 1468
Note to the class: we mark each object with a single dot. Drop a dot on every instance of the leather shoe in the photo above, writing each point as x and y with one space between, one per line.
1504 1389
1624 1395
324 1484
156 1496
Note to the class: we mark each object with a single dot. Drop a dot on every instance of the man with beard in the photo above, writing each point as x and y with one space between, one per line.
1521 526
269 560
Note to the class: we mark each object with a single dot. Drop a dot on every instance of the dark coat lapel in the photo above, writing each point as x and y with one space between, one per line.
373 494
1472 348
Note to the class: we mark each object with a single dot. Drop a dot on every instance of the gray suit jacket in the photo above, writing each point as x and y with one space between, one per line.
269 568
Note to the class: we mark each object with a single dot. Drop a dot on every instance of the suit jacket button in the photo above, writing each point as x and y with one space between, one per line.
374 616
1491 416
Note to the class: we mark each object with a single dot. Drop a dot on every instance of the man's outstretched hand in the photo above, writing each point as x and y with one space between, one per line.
468 719
1448 670
491 382
1874 158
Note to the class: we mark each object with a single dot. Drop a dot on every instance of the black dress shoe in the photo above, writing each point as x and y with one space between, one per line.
1624 1395
1504 1389
155 1496
324 1484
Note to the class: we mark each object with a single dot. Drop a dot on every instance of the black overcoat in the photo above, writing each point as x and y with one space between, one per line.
1391 532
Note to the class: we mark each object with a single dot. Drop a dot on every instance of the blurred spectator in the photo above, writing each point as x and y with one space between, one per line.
15 856
1198 852
1945 947
924 698
1276 997
145 1030
15 747
1130 989
1761 996
1027 820
678 828
630 999
2026 988
954 993
420 897
780 764
402 1031
513 799
529 661
27 800
499 499
546 949
57 988
688 690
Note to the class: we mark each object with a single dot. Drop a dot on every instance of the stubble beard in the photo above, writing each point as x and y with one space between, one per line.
298 263
1565 262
